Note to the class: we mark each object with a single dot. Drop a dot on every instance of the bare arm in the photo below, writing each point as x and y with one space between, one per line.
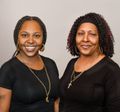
56 105
5 97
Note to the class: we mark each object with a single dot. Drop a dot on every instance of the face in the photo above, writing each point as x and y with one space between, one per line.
30 38
87 39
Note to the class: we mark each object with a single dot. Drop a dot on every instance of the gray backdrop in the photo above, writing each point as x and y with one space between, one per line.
58 15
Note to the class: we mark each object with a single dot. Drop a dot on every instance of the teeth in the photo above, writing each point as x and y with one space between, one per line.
85 46
30 48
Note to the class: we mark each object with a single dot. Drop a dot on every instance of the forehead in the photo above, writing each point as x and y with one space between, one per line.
87 25
30 24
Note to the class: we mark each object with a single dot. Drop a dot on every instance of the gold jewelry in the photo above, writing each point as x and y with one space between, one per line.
49 82
42 48
16 51
73 78
76 51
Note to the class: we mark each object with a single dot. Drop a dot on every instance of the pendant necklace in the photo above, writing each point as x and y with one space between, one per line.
49 82
74 78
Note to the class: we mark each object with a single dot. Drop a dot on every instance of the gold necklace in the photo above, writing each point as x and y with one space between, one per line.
49 82
73 78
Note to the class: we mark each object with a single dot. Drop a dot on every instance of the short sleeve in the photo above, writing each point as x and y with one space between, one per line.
6 76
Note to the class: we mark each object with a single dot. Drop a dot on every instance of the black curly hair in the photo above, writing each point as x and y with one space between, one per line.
105 34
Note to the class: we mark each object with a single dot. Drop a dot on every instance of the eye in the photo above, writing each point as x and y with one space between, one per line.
24 35
80 33
37 35
93 34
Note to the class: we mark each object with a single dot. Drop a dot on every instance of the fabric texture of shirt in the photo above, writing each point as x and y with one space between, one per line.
28 95
96 90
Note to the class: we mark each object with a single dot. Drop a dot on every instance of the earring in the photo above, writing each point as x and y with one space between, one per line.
76 51
101 49
42 48
17 47
16 51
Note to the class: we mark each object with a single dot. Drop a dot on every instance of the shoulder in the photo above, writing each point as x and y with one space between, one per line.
70 64
47 59
7 76
72 61
112 65
51 65
113 70
7 65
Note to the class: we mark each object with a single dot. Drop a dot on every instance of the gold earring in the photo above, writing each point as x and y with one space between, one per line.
42 48
101 50
76 51
16 51
17 47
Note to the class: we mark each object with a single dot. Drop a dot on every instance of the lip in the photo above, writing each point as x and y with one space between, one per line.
30 48
85 46
30 45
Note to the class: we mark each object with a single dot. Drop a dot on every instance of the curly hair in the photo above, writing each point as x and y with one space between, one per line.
29 18
105 35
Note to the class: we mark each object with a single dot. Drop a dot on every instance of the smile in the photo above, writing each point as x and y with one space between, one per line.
85 46
30 48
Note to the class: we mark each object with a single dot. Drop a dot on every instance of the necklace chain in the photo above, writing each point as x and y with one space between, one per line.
49 82
73 78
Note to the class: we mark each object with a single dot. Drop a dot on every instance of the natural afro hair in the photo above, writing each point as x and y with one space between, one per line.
105 35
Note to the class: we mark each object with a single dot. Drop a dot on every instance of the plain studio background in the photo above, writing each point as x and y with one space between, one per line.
58 16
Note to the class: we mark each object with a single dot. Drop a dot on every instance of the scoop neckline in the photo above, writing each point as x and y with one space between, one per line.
92 67
27 66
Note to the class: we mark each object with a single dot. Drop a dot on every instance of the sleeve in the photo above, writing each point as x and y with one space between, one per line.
52 67
6 76
112 91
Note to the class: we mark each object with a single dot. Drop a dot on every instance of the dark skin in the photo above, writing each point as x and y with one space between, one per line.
87 42
30 40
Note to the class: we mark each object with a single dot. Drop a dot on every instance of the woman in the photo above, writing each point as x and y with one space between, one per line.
29 81
91 81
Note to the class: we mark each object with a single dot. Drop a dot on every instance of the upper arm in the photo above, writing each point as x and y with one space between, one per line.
112 90
5 98
6 85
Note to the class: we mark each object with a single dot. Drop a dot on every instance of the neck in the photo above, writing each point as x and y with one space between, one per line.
85 62
32 62
93 57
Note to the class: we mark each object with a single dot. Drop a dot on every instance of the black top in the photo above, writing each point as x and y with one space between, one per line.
28 95
96 90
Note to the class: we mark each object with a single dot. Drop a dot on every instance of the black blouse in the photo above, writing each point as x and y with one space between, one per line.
96 90
28 95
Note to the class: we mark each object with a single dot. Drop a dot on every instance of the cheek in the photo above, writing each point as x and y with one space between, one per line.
21 40
94 41
39 42
78 39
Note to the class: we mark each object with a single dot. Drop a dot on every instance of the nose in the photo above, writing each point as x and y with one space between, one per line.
30 39
85 37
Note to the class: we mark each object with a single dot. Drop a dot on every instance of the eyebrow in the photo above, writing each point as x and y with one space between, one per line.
89 30
28 32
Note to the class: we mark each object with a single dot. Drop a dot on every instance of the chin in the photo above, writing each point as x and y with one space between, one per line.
31 54
85 53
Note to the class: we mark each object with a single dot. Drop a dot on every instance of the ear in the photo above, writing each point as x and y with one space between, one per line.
42 48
